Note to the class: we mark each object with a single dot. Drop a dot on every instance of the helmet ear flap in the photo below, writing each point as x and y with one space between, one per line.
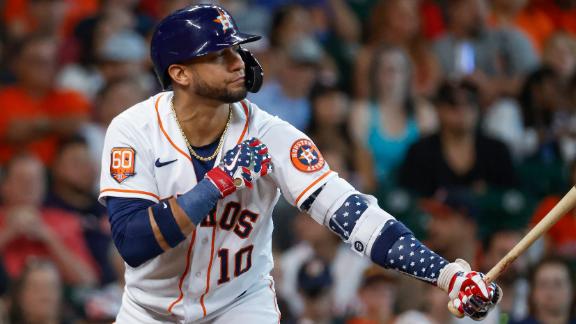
254 75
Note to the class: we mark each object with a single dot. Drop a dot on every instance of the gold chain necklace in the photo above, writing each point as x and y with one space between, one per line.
194 154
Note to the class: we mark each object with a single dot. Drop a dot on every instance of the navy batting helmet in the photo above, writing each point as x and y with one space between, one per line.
195 31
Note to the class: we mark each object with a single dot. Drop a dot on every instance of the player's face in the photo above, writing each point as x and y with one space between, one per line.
220 76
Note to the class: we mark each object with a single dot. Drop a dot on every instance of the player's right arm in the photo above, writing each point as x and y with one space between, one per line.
143 225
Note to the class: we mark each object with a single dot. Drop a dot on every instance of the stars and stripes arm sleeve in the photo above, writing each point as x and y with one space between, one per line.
397 248
371 231
394 246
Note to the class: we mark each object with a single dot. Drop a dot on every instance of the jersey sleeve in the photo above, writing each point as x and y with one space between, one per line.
299 168
127 164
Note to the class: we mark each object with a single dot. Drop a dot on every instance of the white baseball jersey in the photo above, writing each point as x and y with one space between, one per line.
231 249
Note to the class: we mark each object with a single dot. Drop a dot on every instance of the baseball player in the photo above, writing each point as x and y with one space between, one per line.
191 176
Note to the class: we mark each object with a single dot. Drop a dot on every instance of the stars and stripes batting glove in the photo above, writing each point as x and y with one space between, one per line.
241 166
468 291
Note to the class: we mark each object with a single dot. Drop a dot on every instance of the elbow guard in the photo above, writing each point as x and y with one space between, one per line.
355 217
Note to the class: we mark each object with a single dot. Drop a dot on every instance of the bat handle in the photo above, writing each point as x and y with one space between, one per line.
562 207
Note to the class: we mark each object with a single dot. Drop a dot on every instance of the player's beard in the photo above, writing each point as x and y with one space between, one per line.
223 94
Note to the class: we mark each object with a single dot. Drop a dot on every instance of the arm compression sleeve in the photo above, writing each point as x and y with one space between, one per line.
142 229
398 249
131 229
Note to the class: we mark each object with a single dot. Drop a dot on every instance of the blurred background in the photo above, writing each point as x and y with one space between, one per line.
458 115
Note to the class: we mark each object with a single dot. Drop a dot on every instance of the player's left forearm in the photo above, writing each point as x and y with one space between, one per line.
370 231
397 248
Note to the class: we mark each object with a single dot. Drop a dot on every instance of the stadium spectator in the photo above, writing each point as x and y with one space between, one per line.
287 95
452 225
338 29
561 12
346 266
329 129
37 295
29 230
102 305
160 9
493 59
35 114
377 296
114 97
539 124
542 102
73 182
120 54
314 286
568 127
123 14
519 14
515 302
330 114
561 238
392 119
560 54
290 23
24 17
551 293
457 155
397 23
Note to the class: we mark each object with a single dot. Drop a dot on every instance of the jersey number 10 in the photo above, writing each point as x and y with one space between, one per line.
240 222
239 266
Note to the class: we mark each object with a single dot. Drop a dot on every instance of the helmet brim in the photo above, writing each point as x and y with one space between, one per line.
243 38
232 40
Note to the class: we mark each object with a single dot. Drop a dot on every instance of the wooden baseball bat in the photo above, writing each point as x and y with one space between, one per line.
565 204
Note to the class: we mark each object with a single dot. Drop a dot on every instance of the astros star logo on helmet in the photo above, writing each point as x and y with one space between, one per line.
224 20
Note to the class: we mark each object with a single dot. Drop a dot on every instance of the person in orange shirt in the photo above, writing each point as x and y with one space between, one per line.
26 16
535 23
561 238
34 113
561 12
28 230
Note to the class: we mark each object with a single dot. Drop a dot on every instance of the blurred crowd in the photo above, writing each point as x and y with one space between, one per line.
459 116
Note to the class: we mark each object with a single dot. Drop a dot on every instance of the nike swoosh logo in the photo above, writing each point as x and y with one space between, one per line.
159 164
233 161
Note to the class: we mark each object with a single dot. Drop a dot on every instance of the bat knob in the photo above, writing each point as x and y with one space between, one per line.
454 310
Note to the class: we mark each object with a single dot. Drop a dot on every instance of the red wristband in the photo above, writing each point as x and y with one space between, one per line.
222 181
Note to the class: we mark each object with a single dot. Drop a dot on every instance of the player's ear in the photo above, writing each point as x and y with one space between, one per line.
180 75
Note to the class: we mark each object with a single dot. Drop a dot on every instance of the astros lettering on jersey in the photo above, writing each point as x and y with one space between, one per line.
231 249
